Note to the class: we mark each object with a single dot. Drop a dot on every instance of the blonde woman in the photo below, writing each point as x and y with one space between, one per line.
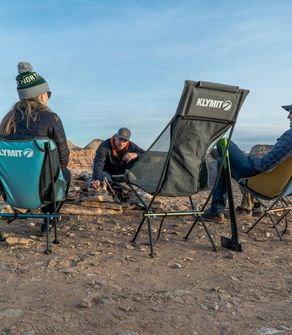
30 117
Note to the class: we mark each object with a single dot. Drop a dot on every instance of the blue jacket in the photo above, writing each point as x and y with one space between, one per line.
280 152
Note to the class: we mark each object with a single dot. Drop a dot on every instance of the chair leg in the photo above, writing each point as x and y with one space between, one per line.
56 241
191 229
275 226
138 230
159 230
257 221
150 238
209 234
47 223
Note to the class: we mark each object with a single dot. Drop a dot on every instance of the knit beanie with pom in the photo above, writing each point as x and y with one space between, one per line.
29 83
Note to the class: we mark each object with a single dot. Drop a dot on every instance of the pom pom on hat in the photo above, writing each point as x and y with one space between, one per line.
24 67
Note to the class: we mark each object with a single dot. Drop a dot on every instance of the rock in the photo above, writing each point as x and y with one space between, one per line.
216 307
102 205
93 145
234 278
231 255
11 313
269 331
88 301
5 208
69 271
81 159
175 265
204 307
260 150
71 145
19 241
228 305
105 197
84 210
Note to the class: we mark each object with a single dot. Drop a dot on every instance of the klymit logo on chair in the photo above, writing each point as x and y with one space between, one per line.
204 102
28 153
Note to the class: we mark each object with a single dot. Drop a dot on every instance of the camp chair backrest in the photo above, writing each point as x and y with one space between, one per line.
270 184
172 166
25 173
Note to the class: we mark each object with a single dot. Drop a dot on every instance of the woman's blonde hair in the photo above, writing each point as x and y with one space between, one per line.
26 108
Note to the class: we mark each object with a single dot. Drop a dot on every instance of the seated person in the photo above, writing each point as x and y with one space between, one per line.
243 166
114 156
31 118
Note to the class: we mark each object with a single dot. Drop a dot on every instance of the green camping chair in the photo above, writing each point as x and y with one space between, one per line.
273 189
31 178
174 165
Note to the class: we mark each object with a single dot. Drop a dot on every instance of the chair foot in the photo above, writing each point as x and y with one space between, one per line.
56 242
48 251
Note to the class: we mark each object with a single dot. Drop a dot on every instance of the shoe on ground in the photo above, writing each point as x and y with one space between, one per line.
209 215
257 209
243 212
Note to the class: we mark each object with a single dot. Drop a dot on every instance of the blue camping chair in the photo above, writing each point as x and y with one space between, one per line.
31 178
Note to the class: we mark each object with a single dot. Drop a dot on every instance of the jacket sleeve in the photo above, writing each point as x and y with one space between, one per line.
58 135
99 162
135 148
280 151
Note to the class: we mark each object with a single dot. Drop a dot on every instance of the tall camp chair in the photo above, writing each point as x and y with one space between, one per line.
31 178
272 189
174 165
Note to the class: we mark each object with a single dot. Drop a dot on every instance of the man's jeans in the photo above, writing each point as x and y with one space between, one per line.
241 167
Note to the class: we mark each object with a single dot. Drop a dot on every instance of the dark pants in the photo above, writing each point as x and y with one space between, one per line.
241 167
50 208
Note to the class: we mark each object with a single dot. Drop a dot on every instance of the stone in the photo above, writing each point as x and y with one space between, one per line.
230 255
83 210
204 307
69 271
88 301
175 265
11 313
269 331
18 241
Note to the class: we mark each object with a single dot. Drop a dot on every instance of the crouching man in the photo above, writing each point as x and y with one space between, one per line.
113 157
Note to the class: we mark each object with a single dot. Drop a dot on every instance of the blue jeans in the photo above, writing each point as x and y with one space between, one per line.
241 167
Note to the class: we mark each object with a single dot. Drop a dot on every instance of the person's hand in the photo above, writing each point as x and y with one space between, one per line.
96 184
130 156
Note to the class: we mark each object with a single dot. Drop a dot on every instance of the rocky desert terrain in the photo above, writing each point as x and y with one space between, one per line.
97 282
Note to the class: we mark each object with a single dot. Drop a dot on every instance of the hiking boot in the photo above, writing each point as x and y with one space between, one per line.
257 209
243 212
209 215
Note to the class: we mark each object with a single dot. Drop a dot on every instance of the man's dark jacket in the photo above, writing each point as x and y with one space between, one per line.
47 125
106 160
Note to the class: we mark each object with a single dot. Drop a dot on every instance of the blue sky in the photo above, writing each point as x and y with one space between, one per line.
123 63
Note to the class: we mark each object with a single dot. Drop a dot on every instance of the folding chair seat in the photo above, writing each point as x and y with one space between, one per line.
174 165
31 178
273 190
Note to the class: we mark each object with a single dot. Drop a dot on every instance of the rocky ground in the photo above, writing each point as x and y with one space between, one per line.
97 282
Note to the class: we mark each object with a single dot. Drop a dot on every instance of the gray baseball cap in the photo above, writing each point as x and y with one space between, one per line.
124 133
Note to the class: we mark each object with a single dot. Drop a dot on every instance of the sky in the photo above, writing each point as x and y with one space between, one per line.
115 63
